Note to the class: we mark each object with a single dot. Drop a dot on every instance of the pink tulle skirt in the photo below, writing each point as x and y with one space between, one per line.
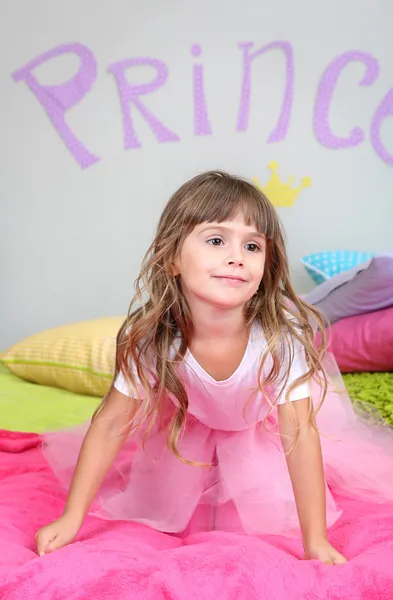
248 489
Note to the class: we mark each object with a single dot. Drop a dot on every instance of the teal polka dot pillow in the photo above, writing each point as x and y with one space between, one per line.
325 265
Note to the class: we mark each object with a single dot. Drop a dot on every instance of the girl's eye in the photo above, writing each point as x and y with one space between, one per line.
218 242
215 242
253 247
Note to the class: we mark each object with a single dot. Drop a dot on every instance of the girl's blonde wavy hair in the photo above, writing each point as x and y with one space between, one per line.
159 311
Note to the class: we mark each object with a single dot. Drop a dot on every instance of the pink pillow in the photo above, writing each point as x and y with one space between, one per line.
363 342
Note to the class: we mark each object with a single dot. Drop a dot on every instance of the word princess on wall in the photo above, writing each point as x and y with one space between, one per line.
58 99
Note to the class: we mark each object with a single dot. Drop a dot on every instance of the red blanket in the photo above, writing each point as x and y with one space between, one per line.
121 560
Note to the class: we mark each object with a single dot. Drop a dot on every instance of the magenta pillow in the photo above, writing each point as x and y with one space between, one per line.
363 342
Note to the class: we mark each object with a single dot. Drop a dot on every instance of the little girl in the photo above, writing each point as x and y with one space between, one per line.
210 422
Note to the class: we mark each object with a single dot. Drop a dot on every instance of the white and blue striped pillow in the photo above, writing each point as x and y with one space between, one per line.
322 266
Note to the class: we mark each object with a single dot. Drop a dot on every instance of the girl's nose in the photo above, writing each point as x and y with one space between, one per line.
235 260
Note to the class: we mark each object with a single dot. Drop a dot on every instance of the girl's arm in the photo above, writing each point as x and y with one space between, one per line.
305 466
101 445
103 441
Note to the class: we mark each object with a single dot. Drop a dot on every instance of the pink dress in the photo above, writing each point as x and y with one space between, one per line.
248 490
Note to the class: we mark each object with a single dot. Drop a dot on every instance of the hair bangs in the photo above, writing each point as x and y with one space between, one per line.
221 198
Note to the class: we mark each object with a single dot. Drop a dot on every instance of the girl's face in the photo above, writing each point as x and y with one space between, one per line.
221 264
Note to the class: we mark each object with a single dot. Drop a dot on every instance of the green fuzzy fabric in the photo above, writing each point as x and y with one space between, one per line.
26 406
374 388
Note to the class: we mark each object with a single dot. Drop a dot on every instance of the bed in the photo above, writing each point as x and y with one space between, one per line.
130 561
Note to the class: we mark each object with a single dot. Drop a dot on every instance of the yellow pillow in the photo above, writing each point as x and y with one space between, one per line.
79 357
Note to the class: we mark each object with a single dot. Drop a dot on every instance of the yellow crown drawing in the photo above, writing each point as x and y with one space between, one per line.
278 192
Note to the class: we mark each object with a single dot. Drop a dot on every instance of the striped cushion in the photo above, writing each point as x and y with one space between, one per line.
79 357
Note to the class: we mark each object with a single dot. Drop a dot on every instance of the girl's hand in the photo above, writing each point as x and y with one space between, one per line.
57 534
324 552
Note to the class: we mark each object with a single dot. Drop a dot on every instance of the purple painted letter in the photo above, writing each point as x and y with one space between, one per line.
57 99
385 109
325 95
201 119
280 130
131 92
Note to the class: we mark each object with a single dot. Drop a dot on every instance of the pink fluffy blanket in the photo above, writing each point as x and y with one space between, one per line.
121 560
